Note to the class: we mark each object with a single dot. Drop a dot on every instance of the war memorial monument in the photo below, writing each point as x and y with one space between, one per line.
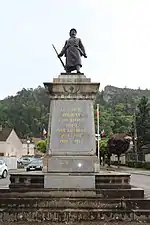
71 187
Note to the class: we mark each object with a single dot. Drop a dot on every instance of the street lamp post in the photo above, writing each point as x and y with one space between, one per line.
135 136
98 131
28 144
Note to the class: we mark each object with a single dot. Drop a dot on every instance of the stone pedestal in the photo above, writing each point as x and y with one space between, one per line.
71 146
69 189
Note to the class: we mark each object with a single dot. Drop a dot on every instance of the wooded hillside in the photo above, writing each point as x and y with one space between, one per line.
27 112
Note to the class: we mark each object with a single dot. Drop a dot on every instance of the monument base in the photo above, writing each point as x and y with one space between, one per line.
70 172
111 199
72 164
69 181
37 180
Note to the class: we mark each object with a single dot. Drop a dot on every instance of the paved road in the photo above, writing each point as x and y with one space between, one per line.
4 183
141 181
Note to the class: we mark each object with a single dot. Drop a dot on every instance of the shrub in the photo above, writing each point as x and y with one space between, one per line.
139 165
132 164
147 165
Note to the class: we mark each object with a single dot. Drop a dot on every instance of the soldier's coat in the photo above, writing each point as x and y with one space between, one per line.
73 50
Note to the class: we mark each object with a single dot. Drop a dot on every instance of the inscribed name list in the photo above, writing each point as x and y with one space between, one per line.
72 126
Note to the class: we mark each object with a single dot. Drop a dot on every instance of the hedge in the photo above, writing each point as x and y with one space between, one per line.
132 164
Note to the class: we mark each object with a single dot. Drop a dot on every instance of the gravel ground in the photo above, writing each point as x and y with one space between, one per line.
81 223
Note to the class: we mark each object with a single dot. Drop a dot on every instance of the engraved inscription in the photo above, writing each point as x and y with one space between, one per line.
72 126
71 130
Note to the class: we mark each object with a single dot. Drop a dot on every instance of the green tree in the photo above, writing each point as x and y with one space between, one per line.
122 120
103 149
143 122
105 120
41 146
103 146
26 112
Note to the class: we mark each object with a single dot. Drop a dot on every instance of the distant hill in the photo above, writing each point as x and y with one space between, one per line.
28 110
113 94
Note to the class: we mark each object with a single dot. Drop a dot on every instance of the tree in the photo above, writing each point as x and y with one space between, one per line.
122 120
103 145
105 120
103 148
143 123
41 146
118 144
26 112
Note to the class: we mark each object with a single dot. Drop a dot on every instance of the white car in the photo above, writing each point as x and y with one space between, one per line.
3 169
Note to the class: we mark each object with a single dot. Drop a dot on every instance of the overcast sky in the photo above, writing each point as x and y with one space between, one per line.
116 35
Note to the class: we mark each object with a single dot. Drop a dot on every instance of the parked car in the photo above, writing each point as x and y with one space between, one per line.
3 169
25 160
36 164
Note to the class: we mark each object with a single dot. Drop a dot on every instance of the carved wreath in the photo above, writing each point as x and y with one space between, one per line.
73 89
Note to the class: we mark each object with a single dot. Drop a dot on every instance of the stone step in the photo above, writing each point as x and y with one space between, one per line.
41 186
112 179
98 194
74 203
26 186
73 215
112 186
121 193
24 180
115 181
97 186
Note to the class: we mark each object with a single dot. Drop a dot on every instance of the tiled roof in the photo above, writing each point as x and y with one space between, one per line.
4 133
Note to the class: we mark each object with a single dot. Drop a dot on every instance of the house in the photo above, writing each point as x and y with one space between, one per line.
146 152
10 144
29 147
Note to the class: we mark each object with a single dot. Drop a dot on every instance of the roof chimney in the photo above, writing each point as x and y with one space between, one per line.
1 127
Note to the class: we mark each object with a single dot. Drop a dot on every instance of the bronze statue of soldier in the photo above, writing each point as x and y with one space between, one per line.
73 50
